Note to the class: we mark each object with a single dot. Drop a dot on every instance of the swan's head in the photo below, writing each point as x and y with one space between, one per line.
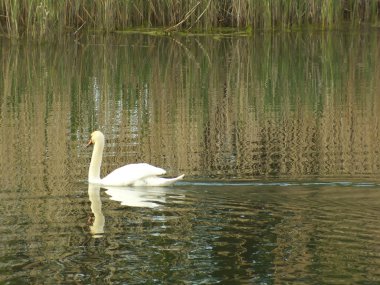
96 136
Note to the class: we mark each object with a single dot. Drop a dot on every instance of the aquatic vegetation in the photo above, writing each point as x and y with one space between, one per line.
49 17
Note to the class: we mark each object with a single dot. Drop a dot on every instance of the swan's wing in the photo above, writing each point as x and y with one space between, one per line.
130 173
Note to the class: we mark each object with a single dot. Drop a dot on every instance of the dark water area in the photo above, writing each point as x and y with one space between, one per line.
263 233
277 135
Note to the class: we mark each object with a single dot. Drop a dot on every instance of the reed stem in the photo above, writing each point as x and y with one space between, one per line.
40 18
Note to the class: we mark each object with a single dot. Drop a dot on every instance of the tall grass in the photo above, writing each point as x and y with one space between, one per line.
39 18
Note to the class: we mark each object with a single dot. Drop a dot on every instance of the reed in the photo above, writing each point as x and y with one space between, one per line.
40 18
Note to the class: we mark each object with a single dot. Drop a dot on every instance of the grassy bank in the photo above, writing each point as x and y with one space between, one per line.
40 18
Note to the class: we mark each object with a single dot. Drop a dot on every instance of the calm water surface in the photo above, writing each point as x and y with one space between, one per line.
278 136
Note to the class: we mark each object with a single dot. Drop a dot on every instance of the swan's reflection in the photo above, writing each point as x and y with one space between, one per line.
97 228
145 197
148 197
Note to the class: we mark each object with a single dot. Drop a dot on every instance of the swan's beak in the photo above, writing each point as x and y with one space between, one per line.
89 143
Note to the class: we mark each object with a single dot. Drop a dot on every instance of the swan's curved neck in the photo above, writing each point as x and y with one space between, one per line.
96 162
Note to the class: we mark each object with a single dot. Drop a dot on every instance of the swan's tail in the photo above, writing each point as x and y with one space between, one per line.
169 181
158 181
177 178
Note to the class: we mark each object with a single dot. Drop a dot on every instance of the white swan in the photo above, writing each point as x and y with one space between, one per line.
138 174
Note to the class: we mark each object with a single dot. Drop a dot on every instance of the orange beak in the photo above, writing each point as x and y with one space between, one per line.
89 143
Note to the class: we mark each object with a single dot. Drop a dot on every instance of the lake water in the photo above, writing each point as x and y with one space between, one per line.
278 135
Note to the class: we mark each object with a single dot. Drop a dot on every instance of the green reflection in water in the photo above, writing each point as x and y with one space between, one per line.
274 105
270 107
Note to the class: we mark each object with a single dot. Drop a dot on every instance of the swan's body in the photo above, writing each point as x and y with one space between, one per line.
138 174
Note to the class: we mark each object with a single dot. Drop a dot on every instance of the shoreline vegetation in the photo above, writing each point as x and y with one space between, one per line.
50 18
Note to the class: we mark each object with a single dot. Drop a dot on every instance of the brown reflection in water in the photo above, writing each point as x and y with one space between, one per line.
284 106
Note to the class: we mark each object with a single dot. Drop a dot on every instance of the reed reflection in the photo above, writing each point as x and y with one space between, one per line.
280 106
